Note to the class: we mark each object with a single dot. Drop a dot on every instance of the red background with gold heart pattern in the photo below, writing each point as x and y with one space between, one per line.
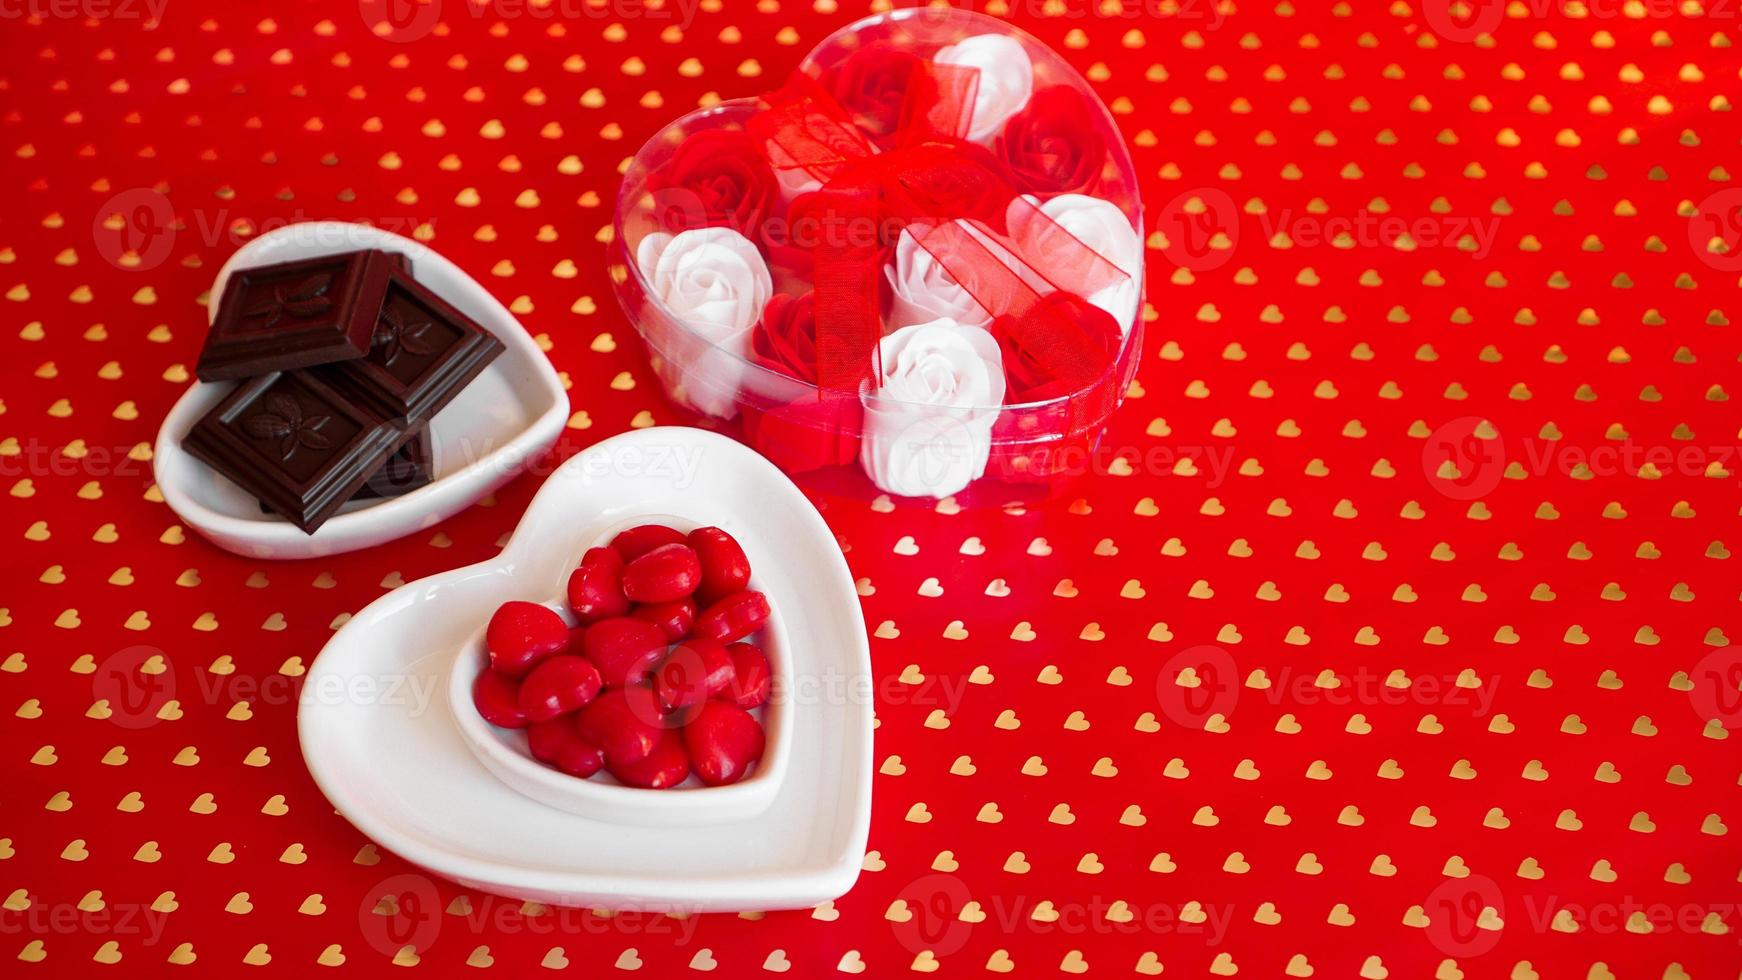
1392 634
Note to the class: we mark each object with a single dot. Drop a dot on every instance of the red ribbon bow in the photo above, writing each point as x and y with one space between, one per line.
949 195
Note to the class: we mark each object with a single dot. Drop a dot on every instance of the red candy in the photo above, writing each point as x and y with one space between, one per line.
674 618
734 617
723 741
557 686
557 743
725 569
751 678
497 698
624 734
596 587
693 672
664 766
642 538
624 649
608 694
521 634
670 571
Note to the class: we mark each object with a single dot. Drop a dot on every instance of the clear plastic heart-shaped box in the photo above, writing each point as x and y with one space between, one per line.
1015 449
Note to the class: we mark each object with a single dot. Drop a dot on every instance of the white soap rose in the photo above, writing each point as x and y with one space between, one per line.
1005 84
793 178
928 425
922 290
1101 226
712 283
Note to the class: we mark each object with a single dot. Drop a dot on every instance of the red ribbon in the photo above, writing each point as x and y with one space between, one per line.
935 185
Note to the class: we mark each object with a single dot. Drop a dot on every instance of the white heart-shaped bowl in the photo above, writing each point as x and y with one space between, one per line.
505 752
384 744
512 411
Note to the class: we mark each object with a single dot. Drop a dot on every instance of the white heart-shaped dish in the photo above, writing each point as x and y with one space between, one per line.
383 743
512 411
506 753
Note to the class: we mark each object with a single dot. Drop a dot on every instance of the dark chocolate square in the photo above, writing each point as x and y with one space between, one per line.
422 353
295 443
296 314
413 466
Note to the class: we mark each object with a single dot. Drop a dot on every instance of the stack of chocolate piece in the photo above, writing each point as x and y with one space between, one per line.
344 360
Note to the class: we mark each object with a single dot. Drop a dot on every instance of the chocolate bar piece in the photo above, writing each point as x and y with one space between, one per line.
410 468
422 353
295 443
296 314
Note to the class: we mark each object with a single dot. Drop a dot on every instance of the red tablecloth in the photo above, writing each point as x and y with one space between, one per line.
1446 719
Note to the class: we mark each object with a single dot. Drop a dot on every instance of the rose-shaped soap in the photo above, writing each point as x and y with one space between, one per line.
798 427
921 290
928 424
1076 329
714 282
716 177
1005 82
1098 224
872 85
1055 146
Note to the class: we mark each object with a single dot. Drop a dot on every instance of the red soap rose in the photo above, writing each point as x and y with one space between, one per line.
816 220
1075 343
717 177
872 84
816 429
1054 145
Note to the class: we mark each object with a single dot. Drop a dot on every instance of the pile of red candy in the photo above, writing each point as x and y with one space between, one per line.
656 681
